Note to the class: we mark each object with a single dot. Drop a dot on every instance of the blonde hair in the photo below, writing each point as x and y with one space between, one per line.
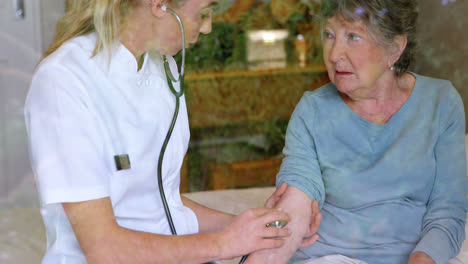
104 17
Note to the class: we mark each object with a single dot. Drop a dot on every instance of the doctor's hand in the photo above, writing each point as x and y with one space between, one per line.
276 196
248 232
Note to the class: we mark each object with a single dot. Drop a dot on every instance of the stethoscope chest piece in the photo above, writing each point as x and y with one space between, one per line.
122 162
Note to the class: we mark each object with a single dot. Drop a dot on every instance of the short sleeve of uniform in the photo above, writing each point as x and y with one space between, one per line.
66 144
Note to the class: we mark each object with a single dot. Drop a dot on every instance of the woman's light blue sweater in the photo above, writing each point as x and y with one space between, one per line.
385 190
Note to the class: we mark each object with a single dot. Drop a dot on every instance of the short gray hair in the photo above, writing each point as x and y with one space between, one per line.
385 19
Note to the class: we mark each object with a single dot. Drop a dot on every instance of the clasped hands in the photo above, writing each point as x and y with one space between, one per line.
248 232
316 217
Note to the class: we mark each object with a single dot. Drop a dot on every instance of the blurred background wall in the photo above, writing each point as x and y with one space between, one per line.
443 53
26 30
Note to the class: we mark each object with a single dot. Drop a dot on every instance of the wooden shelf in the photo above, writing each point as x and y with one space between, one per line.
241 97
308 69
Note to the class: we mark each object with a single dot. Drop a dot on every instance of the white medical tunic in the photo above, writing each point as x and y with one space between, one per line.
80 113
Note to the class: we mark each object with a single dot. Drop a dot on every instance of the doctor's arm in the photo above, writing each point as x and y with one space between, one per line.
103 241
211 220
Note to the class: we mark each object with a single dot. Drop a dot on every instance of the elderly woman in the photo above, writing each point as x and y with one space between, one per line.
381 149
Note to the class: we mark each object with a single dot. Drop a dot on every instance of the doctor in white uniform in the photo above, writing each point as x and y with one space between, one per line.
101 91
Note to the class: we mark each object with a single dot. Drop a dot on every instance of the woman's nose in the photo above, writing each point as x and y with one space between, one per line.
337 51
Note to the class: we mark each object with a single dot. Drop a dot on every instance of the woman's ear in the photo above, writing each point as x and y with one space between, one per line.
158 8
399 45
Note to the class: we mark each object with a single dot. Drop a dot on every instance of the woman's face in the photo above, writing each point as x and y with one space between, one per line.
355 62
196 16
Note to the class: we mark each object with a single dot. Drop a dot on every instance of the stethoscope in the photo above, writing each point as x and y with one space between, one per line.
122 161
178 94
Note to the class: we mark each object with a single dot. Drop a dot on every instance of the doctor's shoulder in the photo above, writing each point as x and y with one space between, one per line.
63 71
73 52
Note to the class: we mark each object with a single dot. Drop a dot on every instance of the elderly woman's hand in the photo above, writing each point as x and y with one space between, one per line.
315 220
420 258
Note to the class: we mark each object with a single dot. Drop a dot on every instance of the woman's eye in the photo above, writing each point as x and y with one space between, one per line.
353 37
327 35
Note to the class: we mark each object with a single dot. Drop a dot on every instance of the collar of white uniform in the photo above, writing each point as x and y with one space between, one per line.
124 62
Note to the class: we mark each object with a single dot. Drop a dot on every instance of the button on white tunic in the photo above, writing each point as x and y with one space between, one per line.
80 113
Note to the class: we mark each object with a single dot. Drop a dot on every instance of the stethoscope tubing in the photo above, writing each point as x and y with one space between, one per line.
180 93
160 161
